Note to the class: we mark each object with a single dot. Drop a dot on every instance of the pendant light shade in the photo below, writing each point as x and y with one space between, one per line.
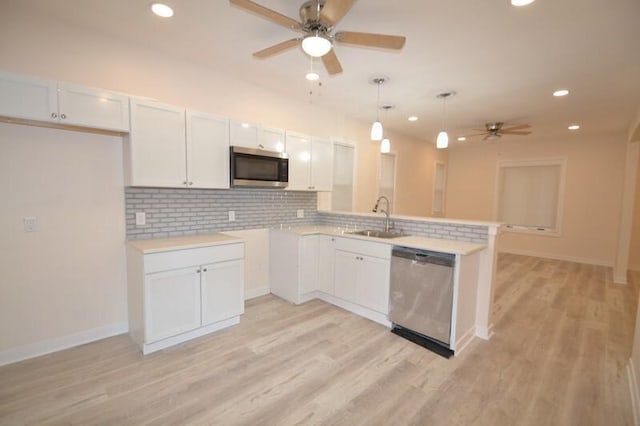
316 45
376 131
385 146
443 140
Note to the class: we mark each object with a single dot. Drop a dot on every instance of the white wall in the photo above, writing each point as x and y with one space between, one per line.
68 278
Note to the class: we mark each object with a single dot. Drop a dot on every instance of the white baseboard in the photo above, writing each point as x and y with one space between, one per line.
484 333
367 313
557 257
464 341
633 390
44 347
256 292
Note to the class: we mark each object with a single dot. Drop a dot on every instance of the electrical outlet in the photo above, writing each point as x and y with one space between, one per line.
300 213
232 216
141 218
30 224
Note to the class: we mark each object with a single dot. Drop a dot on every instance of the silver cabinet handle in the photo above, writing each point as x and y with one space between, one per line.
54 115
63 116
190 183
198 271
204 270
184 182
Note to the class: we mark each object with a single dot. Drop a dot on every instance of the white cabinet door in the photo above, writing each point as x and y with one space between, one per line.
321 164
95 108
244 134
156 147
28 98
272 139
345 275
308 263
207 150
326 253
172 303
299 150
373 283
222 291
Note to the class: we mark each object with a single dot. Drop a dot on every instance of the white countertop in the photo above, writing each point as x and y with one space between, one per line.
180 243
425 243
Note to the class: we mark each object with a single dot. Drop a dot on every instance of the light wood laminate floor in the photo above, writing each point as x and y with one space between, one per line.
562 340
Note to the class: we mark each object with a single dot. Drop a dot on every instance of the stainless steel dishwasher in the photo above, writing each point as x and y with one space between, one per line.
421 297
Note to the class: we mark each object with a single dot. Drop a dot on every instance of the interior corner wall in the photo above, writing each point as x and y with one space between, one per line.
68 277
593 193
634 248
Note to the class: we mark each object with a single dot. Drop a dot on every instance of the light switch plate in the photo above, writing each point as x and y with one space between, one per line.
300 213
232 216
30 224
141 218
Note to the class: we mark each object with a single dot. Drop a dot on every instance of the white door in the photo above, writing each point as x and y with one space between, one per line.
299 150
373 283
222 291
157 145
172 303
326 254
95 108
321 164
207 151
345 275
272 139
28 98
244 134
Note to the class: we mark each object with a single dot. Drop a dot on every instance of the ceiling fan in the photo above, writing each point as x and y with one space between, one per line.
497 129
318 18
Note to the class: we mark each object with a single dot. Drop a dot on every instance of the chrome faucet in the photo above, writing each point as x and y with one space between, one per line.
386 212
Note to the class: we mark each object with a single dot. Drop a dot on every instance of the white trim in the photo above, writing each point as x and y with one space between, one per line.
464 340
392 207
252 293
485 333
557 257
633 390
444 188
48 346
148 348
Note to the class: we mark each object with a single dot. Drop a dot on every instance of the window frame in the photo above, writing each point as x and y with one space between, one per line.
392 207
443 190
532 230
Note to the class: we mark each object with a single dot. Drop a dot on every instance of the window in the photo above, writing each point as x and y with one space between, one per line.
530 195
387 179
439 180
342 191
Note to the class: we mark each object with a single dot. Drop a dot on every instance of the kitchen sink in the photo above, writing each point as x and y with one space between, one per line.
377 234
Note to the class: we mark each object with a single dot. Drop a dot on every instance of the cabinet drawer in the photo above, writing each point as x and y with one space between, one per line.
175 259
368 248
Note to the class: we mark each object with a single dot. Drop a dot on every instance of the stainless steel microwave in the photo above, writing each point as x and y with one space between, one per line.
256 167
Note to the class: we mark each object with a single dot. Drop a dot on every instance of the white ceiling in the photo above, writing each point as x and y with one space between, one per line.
504 62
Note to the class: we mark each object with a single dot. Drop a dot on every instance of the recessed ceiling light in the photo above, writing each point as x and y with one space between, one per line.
462 139
521 2
312 76
574 127
560 92
162 10
413 118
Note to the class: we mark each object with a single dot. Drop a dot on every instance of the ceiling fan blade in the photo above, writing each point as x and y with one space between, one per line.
271 15
276 48
334 10
331 63
517 127
475 134
515 132
371 39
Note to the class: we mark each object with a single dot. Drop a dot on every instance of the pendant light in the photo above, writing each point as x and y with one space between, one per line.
385 144
442 141
376 127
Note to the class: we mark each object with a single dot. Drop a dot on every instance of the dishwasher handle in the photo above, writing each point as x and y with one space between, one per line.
424 256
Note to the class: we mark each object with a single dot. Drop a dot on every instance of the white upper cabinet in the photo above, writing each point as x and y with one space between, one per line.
207 150
310 162
255 136
155 152
169 147
31 98
321 164
88 107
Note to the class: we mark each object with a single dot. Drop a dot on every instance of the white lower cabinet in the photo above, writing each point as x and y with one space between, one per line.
176 295
293 265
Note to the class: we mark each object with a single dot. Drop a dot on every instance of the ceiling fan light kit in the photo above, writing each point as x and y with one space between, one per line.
316 45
